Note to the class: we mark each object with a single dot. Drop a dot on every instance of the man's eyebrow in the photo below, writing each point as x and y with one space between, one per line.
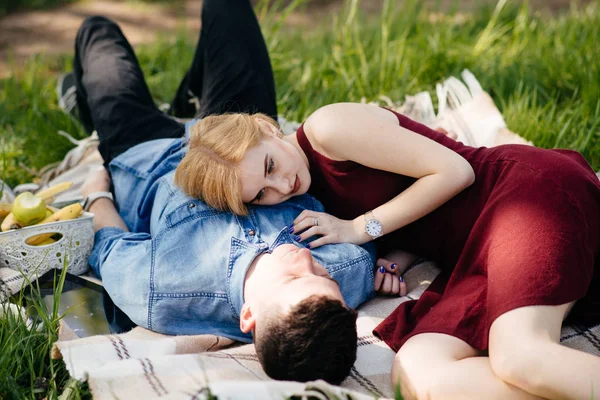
326 277
333 280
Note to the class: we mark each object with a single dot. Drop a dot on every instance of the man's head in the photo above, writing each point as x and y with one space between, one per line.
302 328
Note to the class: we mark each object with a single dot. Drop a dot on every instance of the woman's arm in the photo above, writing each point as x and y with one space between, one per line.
372 137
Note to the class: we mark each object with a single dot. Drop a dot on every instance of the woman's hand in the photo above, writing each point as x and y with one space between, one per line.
450 134
331 229
388 279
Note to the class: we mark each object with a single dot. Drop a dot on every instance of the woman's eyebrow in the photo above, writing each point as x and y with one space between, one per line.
266 159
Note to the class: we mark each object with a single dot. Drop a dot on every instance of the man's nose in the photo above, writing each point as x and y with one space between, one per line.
304 262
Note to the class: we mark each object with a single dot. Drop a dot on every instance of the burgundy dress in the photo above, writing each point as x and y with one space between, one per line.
527 232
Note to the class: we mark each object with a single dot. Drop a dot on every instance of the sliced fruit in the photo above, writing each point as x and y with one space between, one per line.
28 209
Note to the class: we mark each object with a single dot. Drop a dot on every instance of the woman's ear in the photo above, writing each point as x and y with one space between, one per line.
267 127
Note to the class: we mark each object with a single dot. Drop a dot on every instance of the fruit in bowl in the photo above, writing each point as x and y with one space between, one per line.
28 209
63 237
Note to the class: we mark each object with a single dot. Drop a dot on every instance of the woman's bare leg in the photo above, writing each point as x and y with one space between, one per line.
525 351
437 366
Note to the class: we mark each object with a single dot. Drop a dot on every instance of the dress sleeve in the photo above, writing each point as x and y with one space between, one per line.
123 261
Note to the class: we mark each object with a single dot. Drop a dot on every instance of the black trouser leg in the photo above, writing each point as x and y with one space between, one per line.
112 95
231 70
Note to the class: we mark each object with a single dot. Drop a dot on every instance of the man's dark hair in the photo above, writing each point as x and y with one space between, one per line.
316 340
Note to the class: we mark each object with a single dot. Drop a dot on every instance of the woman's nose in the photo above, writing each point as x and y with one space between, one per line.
283 185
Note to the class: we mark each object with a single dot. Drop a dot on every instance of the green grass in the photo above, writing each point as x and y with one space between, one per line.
543 73
26 369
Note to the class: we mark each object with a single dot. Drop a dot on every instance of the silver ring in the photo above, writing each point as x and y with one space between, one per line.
316 222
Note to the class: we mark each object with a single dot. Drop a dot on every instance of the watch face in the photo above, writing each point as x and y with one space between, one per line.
373 227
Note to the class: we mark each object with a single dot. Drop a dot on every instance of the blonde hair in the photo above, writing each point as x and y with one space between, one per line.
217 144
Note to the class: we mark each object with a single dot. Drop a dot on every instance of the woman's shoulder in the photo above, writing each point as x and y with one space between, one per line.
330 125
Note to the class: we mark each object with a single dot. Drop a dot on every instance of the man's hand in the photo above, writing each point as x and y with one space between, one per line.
97 181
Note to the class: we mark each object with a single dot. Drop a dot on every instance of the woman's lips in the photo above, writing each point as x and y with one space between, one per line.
296 185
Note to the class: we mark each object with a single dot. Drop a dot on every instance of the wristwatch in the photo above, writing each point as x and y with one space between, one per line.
372 226
95 196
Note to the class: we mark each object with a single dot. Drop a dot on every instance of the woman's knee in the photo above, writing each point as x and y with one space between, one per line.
409 376
521 339
420 366
516 363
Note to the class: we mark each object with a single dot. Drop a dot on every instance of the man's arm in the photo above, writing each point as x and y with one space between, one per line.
105 212
120 258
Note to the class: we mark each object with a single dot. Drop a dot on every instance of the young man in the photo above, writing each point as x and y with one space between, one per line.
173 264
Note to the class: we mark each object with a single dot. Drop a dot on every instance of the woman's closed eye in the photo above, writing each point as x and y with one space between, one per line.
269 166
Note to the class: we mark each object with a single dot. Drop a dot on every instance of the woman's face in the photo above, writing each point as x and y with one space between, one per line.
273 171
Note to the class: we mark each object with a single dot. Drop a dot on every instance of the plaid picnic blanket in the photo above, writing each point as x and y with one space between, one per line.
144 364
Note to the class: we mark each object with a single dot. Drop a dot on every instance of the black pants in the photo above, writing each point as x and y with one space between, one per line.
230 72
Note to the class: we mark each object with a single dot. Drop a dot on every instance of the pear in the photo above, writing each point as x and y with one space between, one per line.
28 209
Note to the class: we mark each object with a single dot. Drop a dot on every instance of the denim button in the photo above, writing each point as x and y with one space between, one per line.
192 205
251 232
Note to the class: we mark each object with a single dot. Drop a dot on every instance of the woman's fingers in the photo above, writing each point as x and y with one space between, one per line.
403 289
450 134
386 286
306 219
313 231
388 279
319 242
379 275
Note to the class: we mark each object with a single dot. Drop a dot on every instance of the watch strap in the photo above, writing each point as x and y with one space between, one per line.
95 196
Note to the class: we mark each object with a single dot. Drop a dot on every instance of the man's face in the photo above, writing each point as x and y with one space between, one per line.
287 276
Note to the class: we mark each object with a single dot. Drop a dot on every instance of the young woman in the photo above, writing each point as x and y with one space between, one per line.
515 229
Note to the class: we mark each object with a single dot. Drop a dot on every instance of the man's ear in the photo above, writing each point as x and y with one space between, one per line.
247 318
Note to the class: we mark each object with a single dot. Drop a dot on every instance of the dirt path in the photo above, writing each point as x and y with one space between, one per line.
53 32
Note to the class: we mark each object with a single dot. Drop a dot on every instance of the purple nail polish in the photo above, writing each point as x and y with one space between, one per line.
393 266
308 245
381 269
298 238
291 229
401 279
